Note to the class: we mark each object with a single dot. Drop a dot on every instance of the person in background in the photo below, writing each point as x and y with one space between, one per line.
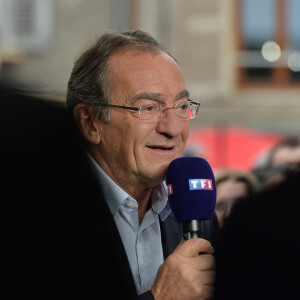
258 252
286 152
231 185
282 160
39 144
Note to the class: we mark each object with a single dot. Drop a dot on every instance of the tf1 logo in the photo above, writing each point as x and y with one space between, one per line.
200 184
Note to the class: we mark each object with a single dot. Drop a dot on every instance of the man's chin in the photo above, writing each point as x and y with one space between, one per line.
159 175
155 173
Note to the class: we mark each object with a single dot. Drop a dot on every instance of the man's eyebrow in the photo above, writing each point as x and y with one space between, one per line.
159 96
149 96
182 94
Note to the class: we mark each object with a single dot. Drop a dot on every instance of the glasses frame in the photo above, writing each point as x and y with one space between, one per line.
139 109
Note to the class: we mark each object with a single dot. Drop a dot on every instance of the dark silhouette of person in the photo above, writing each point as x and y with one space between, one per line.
258 252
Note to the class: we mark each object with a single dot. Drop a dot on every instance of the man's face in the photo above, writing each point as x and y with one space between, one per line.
133 151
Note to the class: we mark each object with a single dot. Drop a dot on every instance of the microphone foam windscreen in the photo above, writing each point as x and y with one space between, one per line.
191 189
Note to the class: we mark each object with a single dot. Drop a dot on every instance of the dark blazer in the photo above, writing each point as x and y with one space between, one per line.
58 237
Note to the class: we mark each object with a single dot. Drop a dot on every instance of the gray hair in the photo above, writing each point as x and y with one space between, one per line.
89 82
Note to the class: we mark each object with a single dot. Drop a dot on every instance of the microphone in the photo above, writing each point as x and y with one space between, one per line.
192 193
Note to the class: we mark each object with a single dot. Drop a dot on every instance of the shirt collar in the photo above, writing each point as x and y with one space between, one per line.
159 201
112 193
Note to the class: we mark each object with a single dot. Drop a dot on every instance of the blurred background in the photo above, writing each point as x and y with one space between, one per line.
240 59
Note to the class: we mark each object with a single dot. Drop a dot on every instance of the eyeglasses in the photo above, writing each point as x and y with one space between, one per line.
184 110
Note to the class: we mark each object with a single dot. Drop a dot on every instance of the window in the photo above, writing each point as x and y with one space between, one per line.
268 43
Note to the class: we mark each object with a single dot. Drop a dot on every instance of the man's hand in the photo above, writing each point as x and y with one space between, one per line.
185 274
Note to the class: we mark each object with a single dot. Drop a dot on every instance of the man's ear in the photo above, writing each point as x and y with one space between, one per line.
86 120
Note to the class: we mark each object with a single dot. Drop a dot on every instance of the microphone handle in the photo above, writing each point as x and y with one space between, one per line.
192 229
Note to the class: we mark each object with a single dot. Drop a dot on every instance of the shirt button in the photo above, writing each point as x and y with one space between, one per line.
130 203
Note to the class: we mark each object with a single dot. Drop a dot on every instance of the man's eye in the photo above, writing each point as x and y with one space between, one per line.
183 106
149 108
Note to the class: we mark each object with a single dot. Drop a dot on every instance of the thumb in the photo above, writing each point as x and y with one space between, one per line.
193 247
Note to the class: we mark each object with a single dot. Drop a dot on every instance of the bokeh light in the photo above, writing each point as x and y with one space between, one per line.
271 51
294 62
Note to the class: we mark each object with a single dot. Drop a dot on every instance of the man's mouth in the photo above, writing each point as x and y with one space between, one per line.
161 147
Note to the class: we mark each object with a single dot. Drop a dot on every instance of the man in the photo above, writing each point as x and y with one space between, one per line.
101 226
131 105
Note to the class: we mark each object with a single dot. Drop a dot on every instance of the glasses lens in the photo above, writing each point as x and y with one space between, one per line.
187 110
149 111
182 110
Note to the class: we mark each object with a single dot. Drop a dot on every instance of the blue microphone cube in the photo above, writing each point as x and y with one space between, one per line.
191 188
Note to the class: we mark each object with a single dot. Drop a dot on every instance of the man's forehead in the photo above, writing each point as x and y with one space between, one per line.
146 75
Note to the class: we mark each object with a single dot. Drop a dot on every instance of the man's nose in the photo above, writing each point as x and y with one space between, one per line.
169 123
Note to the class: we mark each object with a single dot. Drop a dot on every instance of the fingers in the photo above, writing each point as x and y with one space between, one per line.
204 262
193 247
185 274
177 279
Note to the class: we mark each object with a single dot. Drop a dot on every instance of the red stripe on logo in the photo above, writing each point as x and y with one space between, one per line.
170 189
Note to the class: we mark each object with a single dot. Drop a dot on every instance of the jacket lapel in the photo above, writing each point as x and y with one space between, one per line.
171 234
